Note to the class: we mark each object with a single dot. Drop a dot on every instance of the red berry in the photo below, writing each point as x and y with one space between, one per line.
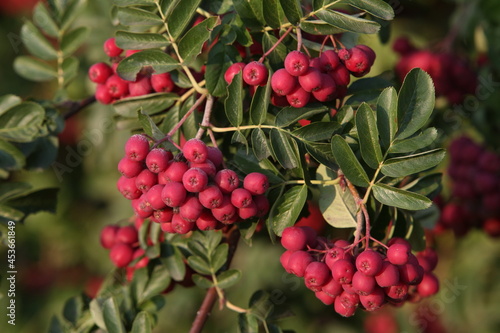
388 275
328 61
346 304
128 53
162 215
206 166
127 187
317 274
248 212
129 168
333 254
226 212
341 76
227 180
167 227
262 204
108 236
324 297
363 284
328 89
211 197
232 71
311 80
102 94
157 160
191 209
143 262
153 196
111 49
173 194
374 300
180 225
215 155
162 82
256 183
207 221
298 262
398 254
284 259
296 63
343 271
294 238
429 285
369 262
282 82
145 180
298 98
174 172
117 87
100 72
121 254
255 73
333 288
241 198
195 180
140 87
195 150
137 147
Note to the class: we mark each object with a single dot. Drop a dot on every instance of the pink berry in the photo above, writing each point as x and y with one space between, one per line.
398 254
153 196
195 150
180 225
296 63
397 292
121 254
255 73
241 198
127 187
328 61
226 212
140 87
108 236
227 180
162 82
111 49
137 147
388 275
129 168
174 172
294 238
232 71
369 262
374 300
341 76
127 234
162 215
173 194
256 183
346 304
298 98
167 227
102 94
143 262
363 284
191 209
206 166
334 254
333 288
215 155
282 82
324 297
343 271
195 180
328 89
211 197
157 160
262 204
298 262
100 72
429 285
248 212
117 87
284 259
145 180
317 274
207 221
311 80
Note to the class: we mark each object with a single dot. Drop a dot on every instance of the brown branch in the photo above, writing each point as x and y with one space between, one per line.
232 237
75 107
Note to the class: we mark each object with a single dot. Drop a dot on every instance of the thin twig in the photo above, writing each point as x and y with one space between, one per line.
76 107
205 122
278 42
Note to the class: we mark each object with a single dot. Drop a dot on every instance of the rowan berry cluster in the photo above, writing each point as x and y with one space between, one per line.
475 196
111 87
190 190
368 279
304 79
453 77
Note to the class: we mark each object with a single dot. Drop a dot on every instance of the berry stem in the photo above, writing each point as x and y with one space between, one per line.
205 122
278 42
299 38
75 107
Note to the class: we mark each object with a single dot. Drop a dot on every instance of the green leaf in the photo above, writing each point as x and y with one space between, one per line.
277 55
368 136
416 102
199 265
317 131
233 105
219 59
259 144
190 126
287 208
347 22
317 27
36 201
318 4
248 323
219 257
251 12
13 189
44 20
289 115
387 116
158 60
10 214
273 13
337 205
152 103
142 323
428 217
425 185
33 69
72 310
348 162
135 16
284 149
202 282
414 143
181 16
55 326
8 101
41 152
159 281
392 196
293 10
149 126
377 8
36 43
22 122
416 236
73 40
140 40
111 316
407 165
72 9
127 3
11 158
228 278
96 313
321 152
260 104
191 43
173 260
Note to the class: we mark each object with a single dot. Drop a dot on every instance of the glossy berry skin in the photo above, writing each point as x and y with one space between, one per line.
346 304
311 80
343 271
298 98
328 89
117 87
191 209
398 254
121 254
369 262
211 197
227 180
248 212
157 160
363 284
162 82
232 71
374 300
241 198
429 285
294 238
388 275
226 212
215 155
208 167
137 147
256 183
255 73
296 63
317 274
328 61
283 82
207 221
195 180
333 288
108 236
262 204
111 49
195 150
284 259
162 215
174 172
173 194
180 225
100 72
324 297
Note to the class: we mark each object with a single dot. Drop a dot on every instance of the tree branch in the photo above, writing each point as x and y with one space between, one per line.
75 107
